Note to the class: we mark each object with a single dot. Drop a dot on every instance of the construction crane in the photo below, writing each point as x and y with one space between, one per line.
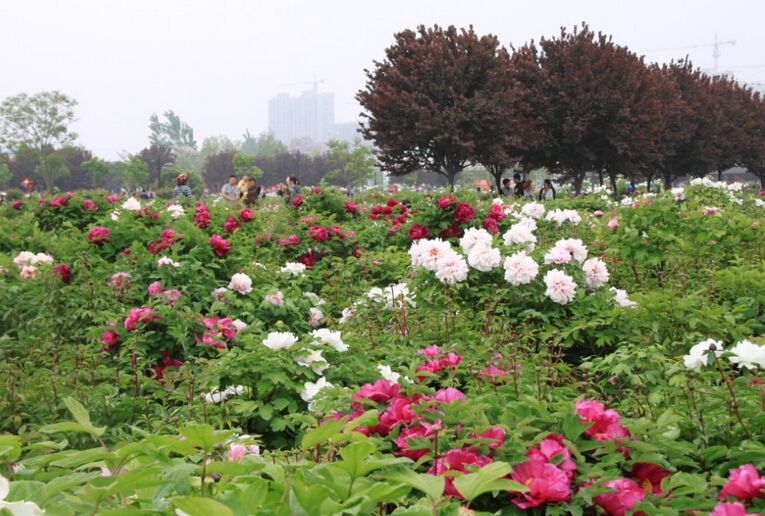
315 83
715 50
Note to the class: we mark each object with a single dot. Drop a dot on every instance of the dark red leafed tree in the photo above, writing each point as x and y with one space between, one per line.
217 168
597 103
753 143
156 157
427 103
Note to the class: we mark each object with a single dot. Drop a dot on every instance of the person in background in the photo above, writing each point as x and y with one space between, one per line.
182 187
253 192
547 191
243 184
230 190
528 189
506 188
518 188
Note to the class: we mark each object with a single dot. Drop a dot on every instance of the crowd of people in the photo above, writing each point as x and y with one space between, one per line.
519 189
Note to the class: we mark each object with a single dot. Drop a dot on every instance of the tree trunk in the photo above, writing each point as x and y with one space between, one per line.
612 177
649 178
719 175
578 180
600 177
667 180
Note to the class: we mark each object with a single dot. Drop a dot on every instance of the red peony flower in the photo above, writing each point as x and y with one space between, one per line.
58 201
98 235
464 213
446 201
307 259
290 240
318 233
246 215
627 494
491 226
399 411
112 198
64 271
649 476
452 231
546 483
202 219
417 430
110 338
17 205
338 232
456 460
220 245
89 205
496 212
392 202
351 207
417 231
230 224
298 200
744 483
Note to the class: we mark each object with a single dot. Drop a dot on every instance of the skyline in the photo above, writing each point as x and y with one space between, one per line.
218 65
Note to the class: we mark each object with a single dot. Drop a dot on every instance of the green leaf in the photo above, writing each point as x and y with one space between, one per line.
486 479
431 485
196 506
323 432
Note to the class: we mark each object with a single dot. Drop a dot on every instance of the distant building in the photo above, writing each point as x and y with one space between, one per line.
347 131
310 115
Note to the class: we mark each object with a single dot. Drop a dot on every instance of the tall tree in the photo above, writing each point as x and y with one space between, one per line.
5 174
157 158
753 145
217 168
598 105
173 132
133 171
50 168
41 123
97 169
354 161
265 144
427 101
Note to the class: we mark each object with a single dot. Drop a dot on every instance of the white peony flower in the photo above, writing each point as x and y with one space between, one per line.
595 273
749 355
520 234
312 359
348 314
620 297
17 508
561 287
534 210
558 256
131 204
330 338
387 373
315 300
575 246
475 238
280 340
697 356
484 258
678 193
293 268
396 294
41 258
520 269
311 390
241 283
167 261
452 269
238 325
176 211
430 253
23 258
216 396
220 294
276 299
115 216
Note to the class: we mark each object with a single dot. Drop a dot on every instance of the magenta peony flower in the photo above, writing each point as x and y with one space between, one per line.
113 198
546 483
155 288
69 195
351 207
230 224
496 212
17 205
744 483
627 494
446 201
456 460
730 509
290 240
246 215
649 476
220 245
58 201
110 338
495 433
490 225
417 430
98 235
64 271
338 232
551 446
448 395
89 205
298 200
399 411
202 219
318 233
606 422
464 213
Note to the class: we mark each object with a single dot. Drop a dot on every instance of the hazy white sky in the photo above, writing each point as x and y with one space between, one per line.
217 62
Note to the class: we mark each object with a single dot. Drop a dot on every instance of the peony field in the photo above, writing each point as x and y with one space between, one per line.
385 353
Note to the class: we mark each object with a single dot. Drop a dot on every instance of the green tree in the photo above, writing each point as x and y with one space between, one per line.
244 166
265 144
52 167
132 171
98 169
41 124
5 174
173 133
354 161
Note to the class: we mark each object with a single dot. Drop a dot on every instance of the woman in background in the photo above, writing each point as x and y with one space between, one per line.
547 191
182 187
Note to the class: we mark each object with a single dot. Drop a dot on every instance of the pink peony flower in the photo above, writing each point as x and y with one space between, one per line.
613 223
457 460
730 509
110 338
417 430
202 219
546 483
290 240
448 395
744 483
241 283
139 315
381 391
398 412
69 195
606 425
98 235
57 201
113 198
627 494
298 200
171 297
28 272
220 245
447 201
276 299
561 288
551 446
598 213
649 476
495 433
89 205
155 288
558 256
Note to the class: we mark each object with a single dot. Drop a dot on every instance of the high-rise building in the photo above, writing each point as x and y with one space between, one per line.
310 115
